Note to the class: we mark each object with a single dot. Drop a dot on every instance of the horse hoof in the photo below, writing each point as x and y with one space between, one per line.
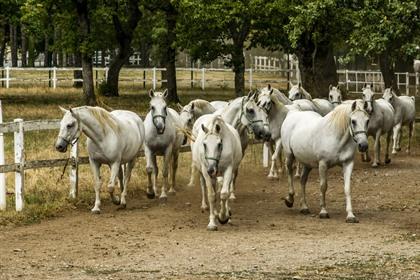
273 177
398 149
305 211
150 195
172 192
297 176
221 221
212 228
190 185
324 216
232 197
374 165
122 206
163 199
288 203
96 211
388 161
352 220
116 200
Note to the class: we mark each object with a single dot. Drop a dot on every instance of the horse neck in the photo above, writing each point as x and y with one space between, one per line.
89 125
283 98
278 112
232 114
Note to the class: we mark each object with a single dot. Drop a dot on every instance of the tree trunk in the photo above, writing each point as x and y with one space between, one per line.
31 52
3 45
54 53
77 74
87 63
145 48
46 51
170 55
24 42
317 68
238 61
124 38
388 71
14 44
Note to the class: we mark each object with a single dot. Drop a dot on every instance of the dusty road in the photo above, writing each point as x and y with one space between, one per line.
266 240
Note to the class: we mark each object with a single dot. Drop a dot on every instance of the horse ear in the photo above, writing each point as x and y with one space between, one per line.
364 86
218 128
299 85
353 106
371 86
269 87
151 93
165 93
330 87
204 128
338 87
271 91
63 110
192 106
290 84
250 93
179 106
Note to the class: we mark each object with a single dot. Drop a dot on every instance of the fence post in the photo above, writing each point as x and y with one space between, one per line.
203 80
347 80
106 74
7 76
74 170
2 77
266 154
144 78
20 162
250 78
407 83
154 78
54 77
2 175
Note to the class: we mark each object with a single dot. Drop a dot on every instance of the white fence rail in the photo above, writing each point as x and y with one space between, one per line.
199 76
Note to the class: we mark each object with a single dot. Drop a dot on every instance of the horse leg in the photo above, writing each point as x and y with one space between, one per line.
400 136
174 169
323 184
273 171
297 175
150 168
95 167
388 141
211 195
232 184
410 135
396 131
115 167
347 170
204 205
224 214
377 149
192 176
289 199
127 177
121 177
303 179
275 158
165 171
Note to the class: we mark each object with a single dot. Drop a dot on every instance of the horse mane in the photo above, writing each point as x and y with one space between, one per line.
339 117
103 117
217 120
199 103
307 94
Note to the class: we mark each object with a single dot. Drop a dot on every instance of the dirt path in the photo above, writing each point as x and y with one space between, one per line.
266 240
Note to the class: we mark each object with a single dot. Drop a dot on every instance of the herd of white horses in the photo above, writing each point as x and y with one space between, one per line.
316 133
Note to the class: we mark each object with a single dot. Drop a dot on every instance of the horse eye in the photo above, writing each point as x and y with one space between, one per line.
153 108
205 146
353 122
70 125
220 146
250 111
330 96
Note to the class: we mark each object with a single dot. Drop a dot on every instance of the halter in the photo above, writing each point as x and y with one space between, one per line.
69 142
251 122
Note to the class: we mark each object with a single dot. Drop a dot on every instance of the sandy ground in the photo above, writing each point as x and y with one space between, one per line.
266 240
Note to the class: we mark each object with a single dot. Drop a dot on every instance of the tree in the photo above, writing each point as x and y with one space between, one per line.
218 28
125 18
388 30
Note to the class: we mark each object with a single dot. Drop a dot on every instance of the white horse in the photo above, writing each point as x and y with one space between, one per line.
405 114
219 104
297 92
276 112
217 153
193 110
381 121
163 138
113 138
324 142
243 114
334 96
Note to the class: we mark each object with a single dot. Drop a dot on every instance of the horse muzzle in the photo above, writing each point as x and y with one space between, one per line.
212 171
362 146
61 146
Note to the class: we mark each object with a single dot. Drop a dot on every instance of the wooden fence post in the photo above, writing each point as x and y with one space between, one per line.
20 162
74 170
7 77
266 154
203 80
2 175
54 77
154 78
